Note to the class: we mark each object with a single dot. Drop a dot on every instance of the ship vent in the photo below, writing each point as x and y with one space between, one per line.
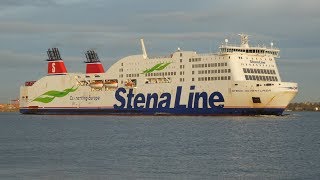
53 54
92 56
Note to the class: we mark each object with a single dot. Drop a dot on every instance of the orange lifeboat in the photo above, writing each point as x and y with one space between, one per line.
112 84
129 84
96 84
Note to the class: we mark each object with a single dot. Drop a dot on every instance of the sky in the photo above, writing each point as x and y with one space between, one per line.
113 28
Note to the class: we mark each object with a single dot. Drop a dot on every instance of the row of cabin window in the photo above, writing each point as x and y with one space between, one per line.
194 59
240 57
261 78
132 75
218 78
214 71
272 52
259 71
243 50
209 65
249 51
162 74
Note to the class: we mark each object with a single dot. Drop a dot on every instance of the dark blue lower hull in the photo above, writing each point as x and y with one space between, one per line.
166 112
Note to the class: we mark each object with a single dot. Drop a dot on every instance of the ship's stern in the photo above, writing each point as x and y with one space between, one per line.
25 97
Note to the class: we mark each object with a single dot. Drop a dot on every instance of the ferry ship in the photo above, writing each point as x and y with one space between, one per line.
236 80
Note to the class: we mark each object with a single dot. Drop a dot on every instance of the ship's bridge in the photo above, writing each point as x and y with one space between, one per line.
245 48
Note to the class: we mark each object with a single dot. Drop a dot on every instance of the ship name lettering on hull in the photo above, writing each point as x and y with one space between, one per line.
128 100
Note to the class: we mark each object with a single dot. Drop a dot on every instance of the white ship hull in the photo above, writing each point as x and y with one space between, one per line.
234 100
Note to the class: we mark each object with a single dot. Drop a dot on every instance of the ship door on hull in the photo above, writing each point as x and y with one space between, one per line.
256 100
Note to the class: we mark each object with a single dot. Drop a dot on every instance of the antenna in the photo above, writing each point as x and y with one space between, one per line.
226 41
144 52
244 40
271 44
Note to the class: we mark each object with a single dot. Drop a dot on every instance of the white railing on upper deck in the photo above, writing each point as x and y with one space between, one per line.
160 57
252 50
208 54
234 46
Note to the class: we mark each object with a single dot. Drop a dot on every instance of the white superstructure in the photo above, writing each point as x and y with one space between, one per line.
237 80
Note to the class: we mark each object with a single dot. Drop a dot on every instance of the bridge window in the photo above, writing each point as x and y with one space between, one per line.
254 77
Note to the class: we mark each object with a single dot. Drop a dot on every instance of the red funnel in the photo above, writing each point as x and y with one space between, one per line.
55 63
93 63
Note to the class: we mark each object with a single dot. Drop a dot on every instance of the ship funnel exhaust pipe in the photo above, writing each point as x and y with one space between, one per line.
93 63
144 52
55 63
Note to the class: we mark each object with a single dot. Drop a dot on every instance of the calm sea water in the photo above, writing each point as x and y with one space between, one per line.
113 147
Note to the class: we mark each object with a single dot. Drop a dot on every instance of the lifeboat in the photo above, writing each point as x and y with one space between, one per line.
113 84
129 84
96 84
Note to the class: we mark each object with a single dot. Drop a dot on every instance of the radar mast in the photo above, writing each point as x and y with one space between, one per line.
244 40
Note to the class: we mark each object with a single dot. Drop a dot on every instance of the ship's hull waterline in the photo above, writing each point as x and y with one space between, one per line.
154 112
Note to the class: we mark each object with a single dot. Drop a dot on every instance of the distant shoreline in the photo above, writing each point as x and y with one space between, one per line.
304 106
9 107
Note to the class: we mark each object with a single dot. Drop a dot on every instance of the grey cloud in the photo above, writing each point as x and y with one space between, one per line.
31 27
22 60
40 3
15 3
14 60
114 27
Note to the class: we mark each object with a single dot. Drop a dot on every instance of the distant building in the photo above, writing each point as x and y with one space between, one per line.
15 103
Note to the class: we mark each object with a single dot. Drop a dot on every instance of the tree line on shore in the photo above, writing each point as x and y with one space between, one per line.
304 106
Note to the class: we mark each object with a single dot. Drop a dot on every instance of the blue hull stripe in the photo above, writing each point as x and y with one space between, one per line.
168 112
